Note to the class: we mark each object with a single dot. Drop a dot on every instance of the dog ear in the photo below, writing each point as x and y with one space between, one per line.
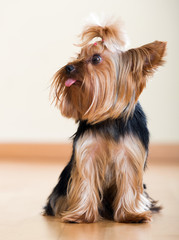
135 65
146 59
112 35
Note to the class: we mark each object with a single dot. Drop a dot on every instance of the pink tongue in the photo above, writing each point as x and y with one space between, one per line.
69 82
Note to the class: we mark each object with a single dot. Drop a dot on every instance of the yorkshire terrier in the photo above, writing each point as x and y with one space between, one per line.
100 90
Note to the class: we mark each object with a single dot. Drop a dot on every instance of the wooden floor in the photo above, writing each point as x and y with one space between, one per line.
24 187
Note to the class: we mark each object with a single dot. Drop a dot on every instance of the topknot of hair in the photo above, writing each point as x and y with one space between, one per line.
111 32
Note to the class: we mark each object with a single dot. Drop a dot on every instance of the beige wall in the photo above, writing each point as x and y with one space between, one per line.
36 39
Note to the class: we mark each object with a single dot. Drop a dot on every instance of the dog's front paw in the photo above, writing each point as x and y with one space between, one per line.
124 217
73 217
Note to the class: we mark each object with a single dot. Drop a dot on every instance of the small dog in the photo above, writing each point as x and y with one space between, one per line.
100 90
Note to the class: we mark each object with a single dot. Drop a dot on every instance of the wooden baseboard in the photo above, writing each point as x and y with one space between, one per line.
164 153
33 151
61 152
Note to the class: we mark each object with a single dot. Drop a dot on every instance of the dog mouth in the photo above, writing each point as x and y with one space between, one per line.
71 81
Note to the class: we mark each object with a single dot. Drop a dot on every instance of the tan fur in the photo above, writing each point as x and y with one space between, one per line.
112 35
85 189
111 88
130 203
107 90
99 165
60 206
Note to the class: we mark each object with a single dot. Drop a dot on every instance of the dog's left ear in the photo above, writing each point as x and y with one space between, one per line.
148 58
139 63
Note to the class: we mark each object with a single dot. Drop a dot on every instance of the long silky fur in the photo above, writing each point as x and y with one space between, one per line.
104 177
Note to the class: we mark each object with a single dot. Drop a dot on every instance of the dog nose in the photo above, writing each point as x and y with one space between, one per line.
69 68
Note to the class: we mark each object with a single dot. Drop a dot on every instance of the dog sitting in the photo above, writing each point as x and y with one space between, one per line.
100 90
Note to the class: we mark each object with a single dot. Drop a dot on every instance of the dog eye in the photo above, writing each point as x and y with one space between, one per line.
96 59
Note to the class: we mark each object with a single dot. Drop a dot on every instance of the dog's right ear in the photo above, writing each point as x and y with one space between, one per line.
112 36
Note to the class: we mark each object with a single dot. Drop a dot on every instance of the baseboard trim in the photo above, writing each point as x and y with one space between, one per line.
166 153
51 152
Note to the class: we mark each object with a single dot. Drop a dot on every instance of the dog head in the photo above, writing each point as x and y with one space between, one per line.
105 80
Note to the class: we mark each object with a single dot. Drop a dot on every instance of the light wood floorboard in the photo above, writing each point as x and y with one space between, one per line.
24 187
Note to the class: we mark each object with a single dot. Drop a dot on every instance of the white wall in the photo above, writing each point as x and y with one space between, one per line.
37 38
